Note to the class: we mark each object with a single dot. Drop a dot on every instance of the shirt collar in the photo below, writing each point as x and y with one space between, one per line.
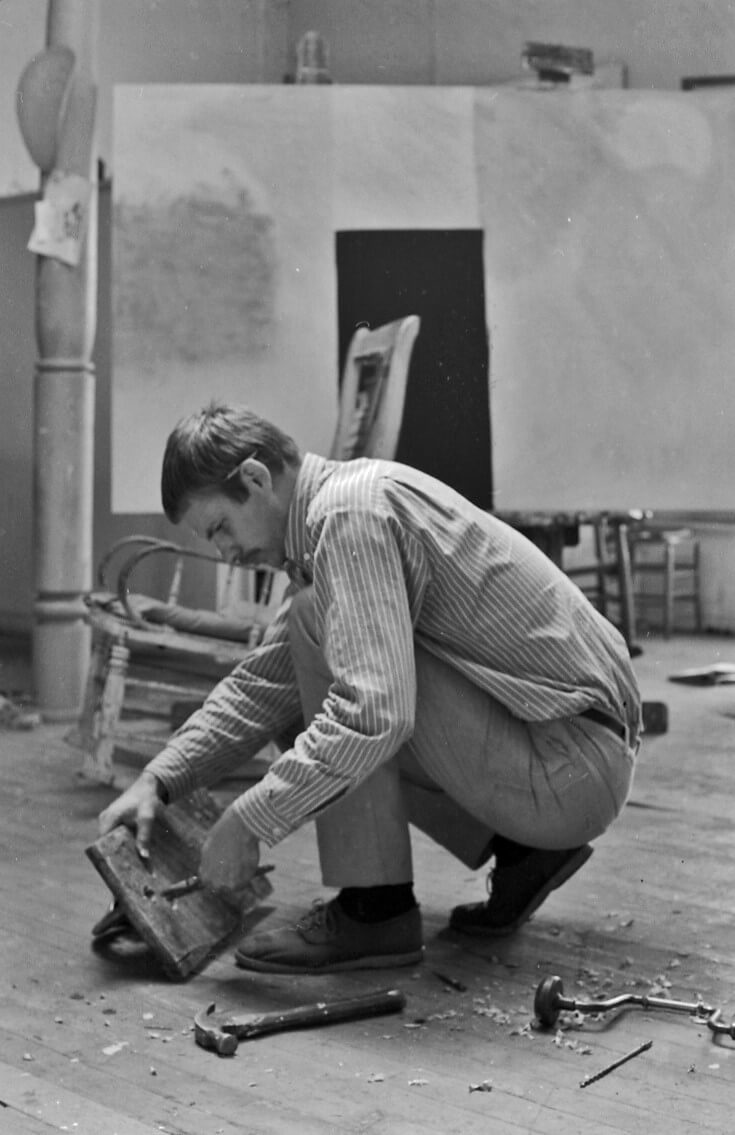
312 474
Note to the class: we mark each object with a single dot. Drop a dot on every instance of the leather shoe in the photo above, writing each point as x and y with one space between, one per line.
516 891
326 940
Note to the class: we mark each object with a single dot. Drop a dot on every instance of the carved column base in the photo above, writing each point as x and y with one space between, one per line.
61 648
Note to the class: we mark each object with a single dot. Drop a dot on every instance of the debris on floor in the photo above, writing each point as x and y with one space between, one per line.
719 673
113 1049
16 716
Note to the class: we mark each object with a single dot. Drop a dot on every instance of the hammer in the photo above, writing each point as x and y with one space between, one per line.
221 1032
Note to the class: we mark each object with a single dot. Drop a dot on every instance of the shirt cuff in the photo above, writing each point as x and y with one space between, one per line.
256 812
174 772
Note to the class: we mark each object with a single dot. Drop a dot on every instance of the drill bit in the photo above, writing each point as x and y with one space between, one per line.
616 1064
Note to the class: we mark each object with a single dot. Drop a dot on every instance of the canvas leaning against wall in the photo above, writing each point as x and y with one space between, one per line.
609 270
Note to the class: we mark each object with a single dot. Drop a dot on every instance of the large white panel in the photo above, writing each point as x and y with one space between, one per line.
610 276
404 158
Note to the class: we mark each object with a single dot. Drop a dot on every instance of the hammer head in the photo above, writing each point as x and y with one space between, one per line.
208 1034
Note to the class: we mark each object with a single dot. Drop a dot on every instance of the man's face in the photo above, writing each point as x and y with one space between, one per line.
250 532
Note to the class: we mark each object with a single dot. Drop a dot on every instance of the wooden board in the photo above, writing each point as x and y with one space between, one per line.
189 931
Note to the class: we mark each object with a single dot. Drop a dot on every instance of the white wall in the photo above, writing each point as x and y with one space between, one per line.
372 41
22 35
143 41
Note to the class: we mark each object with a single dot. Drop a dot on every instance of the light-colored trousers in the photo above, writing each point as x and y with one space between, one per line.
470 770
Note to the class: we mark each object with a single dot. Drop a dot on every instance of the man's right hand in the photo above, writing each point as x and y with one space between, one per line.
136 808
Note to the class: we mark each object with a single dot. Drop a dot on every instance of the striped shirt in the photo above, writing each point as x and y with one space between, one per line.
396 558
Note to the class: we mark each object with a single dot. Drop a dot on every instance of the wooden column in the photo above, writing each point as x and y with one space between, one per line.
63 121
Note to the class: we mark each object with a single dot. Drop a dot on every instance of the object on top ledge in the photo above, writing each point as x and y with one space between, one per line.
557 63
312 59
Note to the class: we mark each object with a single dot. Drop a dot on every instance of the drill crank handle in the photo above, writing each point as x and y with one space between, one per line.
643 1000
718 1026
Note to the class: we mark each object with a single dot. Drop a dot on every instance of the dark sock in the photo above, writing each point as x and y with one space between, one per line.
507 852
376 904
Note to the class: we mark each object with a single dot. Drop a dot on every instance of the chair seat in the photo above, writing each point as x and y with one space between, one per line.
168 640
193 621
671 536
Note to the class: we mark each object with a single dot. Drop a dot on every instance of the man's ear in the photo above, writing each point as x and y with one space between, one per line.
254 475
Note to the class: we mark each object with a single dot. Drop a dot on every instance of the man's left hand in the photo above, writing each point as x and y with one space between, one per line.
230 857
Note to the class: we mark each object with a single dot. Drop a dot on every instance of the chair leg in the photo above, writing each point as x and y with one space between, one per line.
600 533
81 733
627 602
602 593
698 621
669 586
98 761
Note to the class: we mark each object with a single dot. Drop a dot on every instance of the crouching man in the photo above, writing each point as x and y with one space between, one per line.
444 672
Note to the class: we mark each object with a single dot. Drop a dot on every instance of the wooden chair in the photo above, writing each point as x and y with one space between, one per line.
155 659
665 567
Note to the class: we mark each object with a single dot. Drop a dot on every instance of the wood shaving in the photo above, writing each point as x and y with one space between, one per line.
573 1045
113 1049
496 1014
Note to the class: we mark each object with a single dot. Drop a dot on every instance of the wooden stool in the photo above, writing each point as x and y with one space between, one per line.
670 556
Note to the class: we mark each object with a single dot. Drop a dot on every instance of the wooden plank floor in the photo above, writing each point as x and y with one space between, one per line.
97 1047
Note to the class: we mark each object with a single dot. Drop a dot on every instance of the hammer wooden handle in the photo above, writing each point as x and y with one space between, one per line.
319 1013
221 1032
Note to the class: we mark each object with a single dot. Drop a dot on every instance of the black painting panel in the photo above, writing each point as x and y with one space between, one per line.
438 275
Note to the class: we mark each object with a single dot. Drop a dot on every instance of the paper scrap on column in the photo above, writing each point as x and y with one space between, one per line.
61 218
